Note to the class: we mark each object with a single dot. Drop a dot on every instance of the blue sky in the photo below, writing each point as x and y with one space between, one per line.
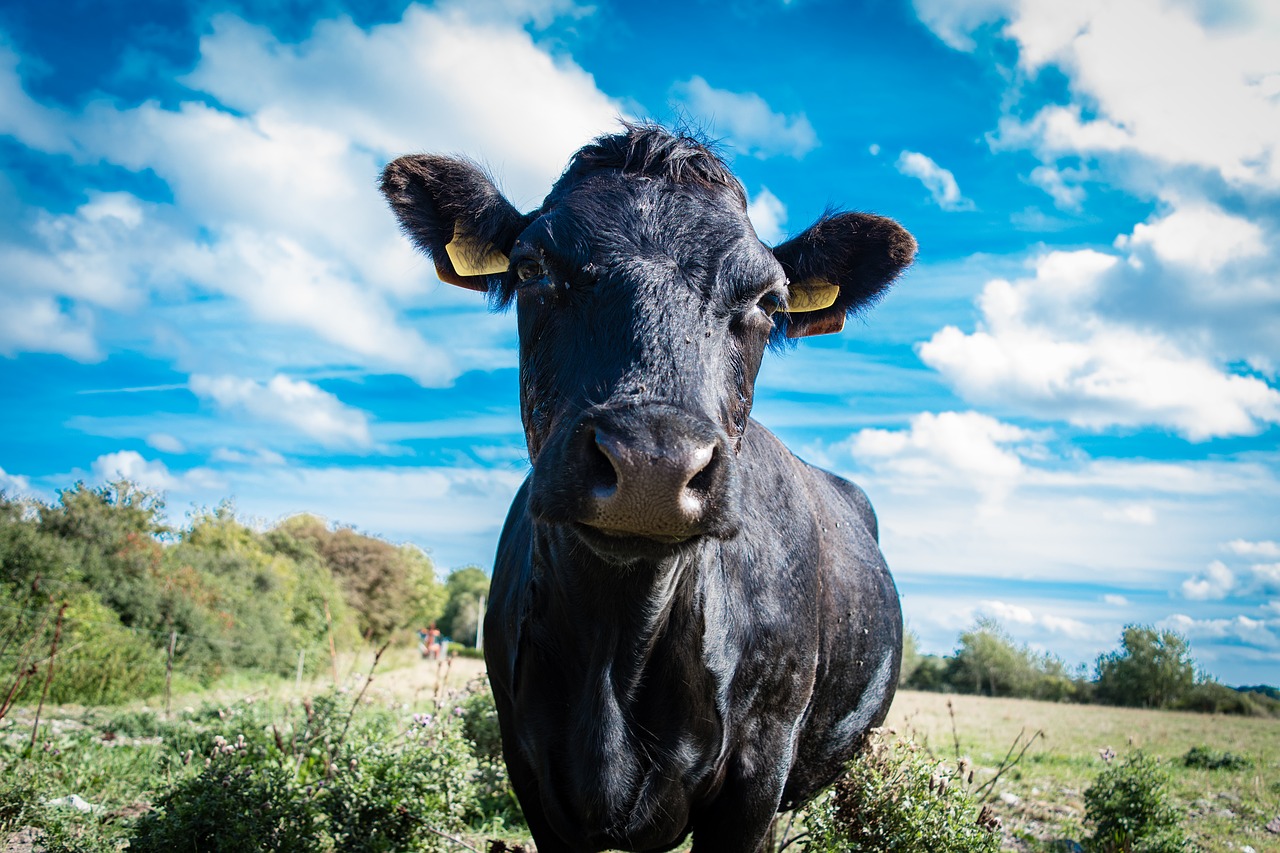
1066 413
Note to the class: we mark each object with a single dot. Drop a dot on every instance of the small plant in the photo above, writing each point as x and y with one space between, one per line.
1208 759
894 797
1129 807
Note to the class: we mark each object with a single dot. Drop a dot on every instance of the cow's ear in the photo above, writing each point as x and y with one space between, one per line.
841 263
451 210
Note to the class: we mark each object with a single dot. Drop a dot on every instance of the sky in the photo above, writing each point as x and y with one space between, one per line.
1066 413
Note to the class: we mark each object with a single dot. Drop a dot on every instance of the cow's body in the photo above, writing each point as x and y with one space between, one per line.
701 692
689 628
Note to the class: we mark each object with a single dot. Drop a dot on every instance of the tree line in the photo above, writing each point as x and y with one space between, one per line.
1151 668
125 601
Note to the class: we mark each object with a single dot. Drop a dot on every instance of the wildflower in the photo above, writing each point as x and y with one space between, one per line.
1107 754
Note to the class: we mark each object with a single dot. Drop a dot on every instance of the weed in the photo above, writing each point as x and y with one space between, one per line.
1212 759
1131 811
894 797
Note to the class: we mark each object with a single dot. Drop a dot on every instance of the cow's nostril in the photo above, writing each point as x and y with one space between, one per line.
702 480
601 465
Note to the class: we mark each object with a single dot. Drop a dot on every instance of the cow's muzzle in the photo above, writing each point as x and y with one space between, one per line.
652 472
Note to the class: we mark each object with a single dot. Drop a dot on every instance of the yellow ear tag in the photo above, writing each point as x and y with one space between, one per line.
811 296
472 257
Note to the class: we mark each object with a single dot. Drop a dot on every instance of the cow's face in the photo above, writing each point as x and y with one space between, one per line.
645 303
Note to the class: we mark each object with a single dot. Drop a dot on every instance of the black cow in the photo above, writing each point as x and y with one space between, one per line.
690 629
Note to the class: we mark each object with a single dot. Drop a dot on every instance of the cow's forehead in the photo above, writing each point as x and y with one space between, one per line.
613 217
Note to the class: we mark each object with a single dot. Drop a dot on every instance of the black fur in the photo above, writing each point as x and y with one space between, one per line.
689 628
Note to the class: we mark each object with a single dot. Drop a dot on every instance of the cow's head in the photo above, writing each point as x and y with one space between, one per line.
645 302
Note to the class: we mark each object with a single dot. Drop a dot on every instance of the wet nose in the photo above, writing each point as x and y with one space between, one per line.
653 484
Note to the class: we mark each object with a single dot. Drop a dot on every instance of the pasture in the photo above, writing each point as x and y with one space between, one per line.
1040 799
1224 809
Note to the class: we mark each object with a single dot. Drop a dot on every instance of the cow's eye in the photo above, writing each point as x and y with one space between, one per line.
528 269
769 303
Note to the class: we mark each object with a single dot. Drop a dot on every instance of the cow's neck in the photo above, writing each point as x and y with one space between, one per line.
626 611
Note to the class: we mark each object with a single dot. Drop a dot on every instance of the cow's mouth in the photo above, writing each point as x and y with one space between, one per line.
628 545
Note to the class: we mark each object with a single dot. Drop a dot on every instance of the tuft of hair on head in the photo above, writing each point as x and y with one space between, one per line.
650 150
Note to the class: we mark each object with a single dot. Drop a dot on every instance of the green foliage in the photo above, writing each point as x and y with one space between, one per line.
235 803
1212 759
389 588
464 587
99 661
911 657
1130 808
1151 669
894 797
1210 697
988 662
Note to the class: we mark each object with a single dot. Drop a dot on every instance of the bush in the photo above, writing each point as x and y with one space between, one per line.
893 797
1209 759
235 804
1129 807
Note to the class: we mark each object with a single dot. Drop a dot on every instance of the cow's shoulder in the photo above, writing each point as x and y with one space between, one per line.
832 498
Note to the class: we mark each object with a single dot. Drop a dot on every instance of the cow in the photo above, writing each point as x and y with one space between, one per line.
689 628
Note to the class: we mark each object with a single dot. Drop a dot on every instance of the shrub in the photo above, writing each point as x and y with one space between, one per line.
1129 807
1208 759
235 804
894 797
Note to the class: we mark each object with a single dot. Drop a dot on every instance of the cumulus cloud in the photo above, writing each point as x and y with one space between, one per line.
166 443
272 170
1045 344
969 442
152 474
1259 633
940 183
295 403
1160 81
1200 236
1217 582
1063 185
768 215
1017 614
14 484
748 120
1245 548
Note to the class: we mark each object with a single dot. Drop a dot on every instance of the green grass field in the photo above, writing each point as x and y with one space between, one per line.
1040 799
1224 809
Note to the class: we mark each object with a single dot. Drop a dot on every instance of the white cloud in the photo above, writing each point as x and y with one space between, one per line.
769 216
166 443
748 120
1134 513
940 183
1159 81
274 189
281 400
1045 345
151 474
1245 548
968 442
1217 582
1259 633
1200 236
14 484
257 456
1062 185
1019 615
1115 600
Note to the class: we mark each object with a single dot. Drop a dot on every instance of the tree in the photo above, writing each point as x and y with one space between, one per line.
465 586
1151 669
988 662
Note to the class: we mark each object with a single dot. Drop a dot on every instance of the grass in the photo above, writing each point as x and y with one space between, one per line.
1224 808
